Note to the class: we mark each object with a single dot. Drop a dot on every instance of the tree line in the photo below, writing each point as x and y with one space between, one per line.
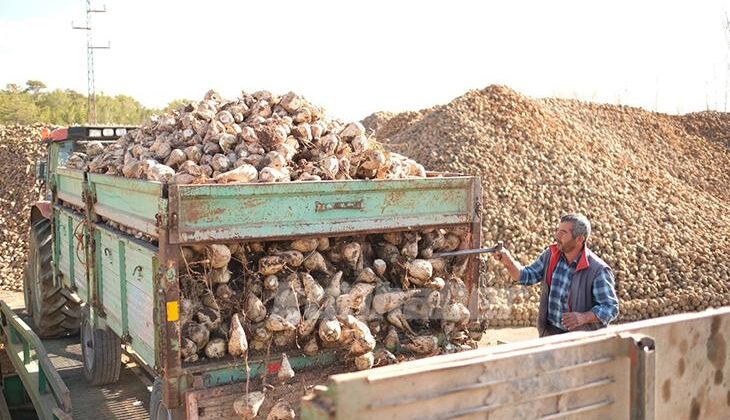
32 103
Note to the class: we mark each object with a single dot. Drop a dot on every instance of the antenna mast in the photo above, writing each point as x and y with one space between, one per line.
90 47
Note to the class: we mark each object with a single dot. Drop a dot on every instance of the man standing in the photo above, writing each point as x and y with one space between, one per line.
577 287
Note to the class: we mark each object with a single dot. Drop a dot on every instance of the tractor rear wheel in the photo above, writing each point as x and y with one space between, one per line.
26 290
54 310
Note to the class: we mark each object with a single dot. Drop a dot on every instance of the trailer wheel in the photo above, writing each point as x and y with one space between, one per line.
54 312
101 353
158 411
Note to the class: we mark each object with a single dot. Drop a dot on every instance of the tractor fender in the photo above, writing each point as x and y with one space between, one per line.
40 210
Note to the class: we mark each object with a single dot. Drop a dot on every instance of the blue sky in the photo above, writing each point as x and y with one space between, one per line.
356 57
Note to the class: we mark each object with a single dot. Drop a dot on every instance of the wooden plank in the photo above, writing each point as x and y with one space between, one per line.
589 375
692 363
213 403
576 375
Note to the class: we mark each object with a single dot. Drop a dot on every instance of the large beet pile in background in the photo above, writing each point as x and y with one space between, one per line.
20 147
656 188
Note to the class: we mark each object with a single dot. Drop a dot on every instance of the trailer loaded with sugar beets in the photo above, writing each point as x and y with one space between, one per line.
224 258
173 274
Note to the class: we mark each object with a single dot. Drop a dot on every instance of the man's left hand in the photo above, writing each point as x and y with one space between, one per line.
573 320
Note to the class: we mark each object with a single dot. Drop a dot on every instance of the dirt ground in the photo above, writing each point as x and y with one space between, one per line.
13 299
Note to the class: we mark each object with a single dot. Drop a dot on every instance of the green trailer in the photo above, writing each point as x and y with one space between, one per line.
85 274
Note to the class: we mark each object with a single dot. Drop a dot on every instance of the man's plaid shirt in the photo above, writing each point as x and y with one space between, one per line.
604 297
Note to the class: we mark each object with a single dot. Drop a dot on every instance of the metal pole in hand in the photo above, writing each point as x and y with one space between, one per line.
496 248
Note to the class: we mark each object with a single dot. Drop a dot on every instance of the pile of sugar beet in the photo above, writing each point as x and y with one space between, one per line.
326 293
345 294
653 185
19 150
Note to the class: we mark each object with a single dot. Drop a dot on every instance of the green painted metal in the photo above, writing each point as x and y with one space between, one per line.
109 278
96 280
79 256
235 371
69 255
50 396
125 270
69 185
140 266
123 288
66 262
127 280
132 202
252 211
14 391
71 260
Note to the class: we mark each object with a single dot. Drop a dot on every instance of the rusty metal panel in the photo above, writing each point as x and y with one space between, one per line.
577 379
131 202
692 378
257 211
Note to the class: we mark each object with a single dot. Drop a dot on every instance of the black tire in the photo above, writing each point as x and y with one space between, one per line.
54 310
158 411
26 291
101 353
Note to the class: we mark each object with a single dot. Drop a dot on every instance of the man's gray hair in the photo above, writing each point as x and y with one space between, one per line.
581 225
